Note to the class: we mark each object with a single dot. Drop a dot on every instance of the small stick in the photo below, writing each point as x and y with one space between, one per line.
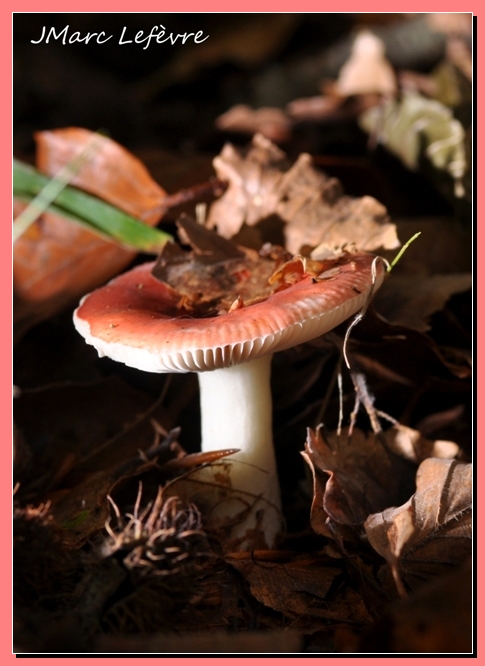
213 187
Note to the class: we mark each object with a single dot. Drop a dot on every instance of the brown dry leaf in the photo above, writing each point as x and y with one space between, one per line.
412 445
330 107
57 261
271 122
431 532
455 23
352 476
263 185
314 108
218 276
112 172
367 70
362 81
411 300
392 347
294 588
434 268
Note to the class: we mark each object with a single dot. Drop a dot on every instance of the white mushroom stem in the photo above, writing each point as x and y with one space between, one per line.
236 411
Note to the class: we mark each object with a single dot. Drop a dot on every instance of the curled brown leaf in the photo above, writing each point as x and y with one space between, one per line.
353 474
438 537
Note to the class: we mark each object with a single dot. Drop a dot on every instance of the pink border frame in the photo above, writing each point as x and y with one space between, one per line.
6 279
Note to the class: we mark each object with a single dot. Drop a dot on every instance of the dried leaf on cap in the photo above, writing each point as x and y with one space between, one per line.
218 276
262 184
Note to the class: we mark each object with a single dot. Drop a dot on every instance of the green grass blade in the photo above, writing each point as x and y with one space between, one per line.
78 205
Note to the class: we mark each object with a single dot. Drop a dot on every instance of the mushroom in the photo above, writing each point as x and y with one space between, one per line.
137 319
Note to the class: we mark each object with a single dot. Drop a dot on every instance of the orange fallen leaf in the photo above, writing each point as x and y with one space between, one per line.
57 261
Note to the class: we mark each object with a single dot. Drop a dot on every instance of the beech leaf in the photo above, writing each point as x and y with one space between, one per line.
412 445
440 511
112 173
353 475
293 588
92 212
55 261
311 205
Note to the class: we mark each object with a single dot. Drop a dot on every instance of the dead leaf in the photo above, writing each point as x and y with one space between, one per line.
218 276
412 445
312 205
455 23
440 511
112 173
271 122
330 107
352 475
393 346
293 588
57 261
414 127
411 300
316 108
367 70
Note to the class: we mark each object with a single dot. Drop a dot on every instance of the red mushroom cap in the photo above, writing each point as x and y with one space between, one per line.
134 319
